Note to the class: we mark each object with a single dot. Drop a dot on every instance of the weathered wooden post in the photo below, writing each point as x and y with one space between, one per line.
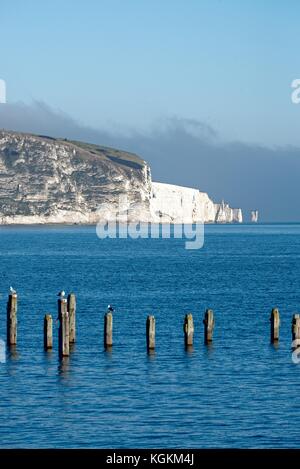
188 328
64 328
209 324
275 323
108 330
72 316
48 328
296 330
150 332
12 321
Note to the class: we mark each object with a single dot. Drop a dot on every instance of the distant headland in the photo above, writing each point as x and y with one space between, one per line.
47 180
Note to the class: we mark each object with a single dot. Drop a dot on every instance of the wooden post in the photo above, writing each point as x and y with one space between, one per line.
72 316
188 328
12 320
275 323
64 328
48 327
296 330
108 329
209 324
150 332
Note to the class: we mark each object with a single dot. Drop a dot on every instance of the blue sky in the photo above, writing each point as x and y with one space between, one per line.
128 63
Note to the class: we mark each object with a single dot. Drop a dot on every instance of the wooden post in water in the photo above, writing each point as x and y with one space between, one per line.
72 316
296 330
188 328
150 332
64 328
275 323
48 327
12 320
209 324
108 330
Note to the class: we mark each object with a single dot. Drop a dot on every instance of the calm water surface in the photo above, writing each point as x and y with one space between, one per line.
240 392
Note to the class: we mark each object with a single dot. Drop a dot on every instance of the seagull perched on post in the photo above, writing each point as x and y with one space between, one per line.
110 308
12 290
61 294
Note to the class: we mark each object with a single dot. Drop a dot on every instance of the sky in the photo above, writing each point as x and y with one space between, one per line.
201 89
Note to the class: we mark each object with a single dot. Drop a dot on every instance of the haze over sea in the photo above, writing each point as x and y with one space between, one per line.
239 392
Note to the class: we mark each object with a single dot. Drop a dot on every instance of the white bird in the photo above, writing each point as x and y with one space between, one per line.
12 290
61 294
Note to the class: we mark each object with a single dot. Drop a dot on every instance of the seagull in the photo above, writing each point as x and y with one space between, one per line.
12 290
61 294
110 308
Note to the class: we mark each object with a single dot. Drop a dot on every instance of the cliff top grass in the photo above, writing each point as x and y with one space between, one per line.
118 156
91 150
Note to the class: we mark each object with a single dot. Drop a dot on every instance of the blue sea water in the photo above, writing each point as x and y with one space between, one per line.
239 392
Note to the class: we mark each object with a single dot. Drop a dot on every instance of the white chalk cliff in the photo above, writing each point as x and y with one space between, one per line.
46 180
176 204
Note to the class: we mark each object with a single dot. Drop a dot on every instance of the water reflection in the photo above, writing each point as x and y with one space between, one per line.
209 349
64 367
48 354
275 345
108 348
189 349
12 352
151 354
72 347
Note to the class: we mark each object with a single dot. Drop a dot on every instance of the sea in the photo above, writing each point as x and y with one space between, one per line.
238 392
